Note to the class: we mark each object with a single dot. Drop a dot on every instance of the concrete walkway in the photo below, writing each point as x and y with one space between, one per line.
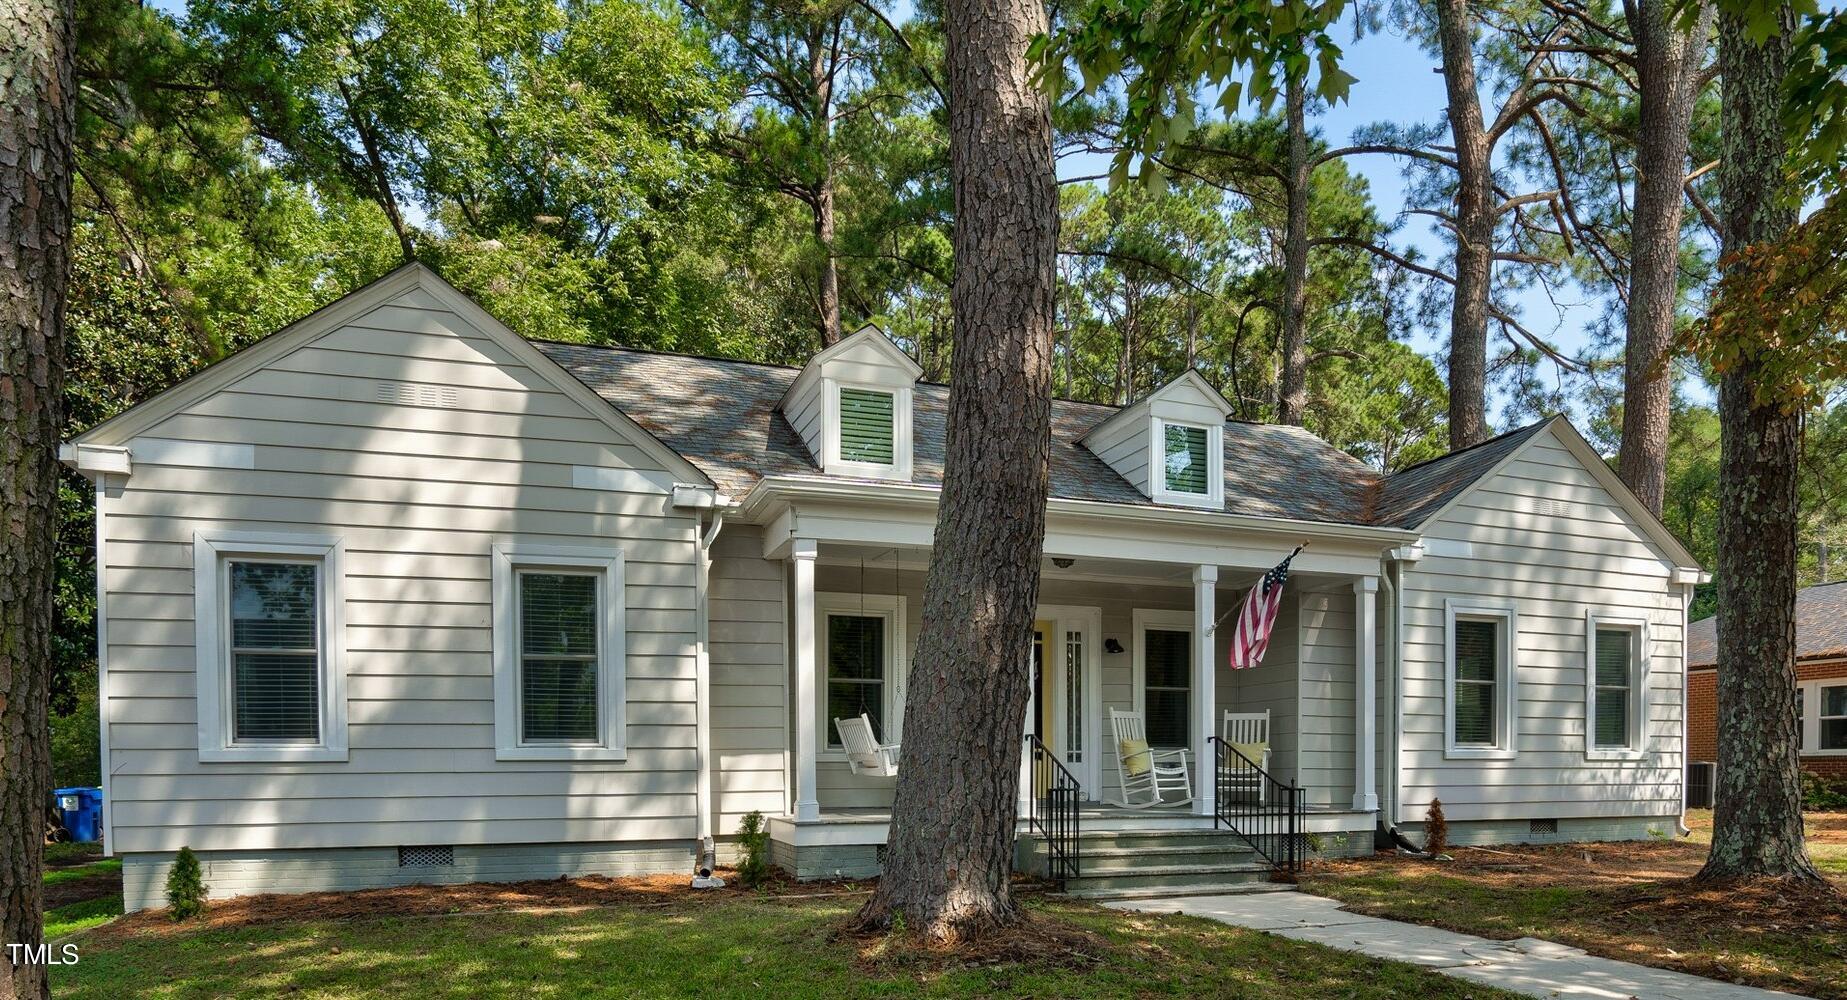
1528 965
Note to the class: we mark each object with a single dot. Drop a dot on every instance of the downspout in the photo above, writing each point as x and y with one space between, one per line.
1686 609
702 688
1392 580
102 663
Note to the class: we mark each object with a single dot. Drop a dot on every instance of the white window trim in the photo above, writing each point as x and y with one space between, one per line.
1506 686
897 663
1811 716
1141 620
901 450
211 553
509 559
1637 628
1214 497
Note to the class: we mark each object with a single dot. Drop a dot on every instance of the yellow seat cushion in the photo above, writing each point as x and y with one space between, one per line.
1252 752
1136 760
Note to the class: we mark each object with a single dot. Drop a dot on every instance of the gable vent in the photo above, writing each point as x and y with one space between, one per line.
406 394
425 857
1551 508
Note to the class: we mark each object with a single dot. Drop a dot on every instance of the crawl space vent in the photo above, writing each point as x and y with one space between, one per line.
1539 827
424 857
406 394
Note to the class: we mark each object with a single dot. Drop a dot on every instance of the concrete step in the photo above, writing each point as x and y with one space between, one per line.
1196 889
1157 856
1165 877
1142 840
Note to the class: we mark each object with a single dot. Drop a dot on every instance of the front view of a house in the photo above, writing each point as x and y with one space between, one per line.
396 595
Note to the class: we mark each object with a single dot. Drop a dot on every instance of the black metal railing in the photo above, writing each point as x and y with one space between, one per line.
1266 813
1052 810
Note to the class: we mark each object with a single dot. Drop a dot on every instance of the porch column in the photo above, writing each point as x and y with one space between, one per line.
1365 730
1205 693
802 554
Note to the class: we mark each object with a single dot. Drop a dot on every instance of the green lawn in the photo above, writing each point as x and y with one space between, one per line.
93 890
741 945
1629 901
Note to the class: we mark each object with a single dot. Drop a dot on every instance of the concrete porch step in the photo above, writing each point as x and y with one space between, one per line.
1199 889
1165 877
1157 855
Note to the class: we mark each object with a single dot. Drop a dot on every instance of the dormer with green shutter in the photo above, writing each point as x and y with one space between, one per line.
1170 444
852 407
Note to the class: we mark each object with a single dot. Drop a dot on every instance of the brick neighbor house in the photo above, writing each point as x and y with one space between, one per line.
1821 682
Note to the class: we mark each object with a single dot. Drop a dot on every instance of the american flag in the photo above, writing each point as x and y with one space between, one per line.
1252 637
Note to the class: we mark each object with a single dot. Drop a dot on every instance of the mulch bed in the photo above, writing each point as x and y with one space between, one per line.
1033 943
77 890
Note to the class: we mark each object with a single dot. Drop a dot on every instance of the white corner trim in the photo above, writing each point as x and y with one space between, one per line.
102 659
211 651
603 477
612 648
203 454
1639 654
1507 682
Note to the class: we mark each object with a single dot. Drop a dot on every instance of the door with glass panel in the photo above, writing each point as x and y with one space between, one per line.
1064 673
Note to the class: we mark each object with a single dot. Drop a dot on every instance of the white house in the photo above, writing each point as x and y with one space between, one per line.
397 595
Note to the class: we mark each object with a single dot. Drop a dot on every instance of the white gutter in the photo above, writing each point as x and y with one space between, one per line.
772 488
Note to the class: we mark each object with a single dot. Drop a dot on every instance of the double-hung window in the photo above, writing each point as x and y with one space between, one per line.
270 647
1821 707
559 685
862 663
1479 682
1615 686
1163 676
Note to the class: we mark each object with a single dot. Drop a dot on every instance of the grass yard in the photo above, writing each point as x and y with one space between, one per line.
1627 901
668 943
82 891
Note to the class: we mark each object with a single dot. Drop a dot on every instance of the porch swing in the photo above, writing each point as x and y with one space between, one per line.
865 754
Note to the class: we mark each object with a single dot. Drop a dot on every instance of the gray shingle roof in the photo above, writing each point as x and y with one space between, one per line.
1821 628
723 416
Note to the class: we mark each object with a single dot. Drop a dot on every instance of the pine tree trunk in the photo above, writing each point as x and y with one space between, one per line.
1468 317
1292 394
1667 69
1757 814
821 79
827 297
37 102
952 830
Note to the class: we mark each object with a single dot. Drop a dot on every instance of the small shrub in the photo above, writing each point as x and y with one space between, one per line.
753 849
1822 794
185 886
1436 829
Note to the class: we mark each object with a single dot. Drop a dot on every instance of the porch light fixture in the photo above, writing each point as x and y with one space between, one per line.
1110 645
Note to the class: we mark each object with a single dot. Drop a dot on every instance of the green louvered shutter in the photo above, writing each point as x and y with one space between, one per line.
1613 688
1186 459
866 426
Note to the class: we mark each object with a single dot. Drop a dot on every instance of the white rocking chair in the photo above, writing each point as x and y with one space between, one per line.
1147 773
865 754
1247 729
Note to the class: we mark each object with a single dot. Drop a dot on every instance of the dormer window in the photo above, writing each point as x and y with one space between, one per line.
1186 453
866 426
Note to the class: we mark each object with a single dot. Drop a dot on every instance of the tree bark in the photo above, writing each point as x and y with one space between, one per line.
1475 213
1757 814
1667 71
951 849
1292 394
821 79
37 106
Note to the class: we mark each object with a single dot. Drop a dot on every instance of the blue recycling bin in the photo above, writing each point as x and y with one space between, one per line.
81 809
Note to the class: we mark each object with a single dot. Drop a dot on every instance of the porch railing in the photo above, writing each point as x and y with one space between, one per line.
1266 813
1052 810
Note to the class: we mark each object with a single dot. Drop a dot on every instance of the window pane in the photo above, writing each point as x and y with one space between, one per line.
1612 717
557 614
1074 696
272 605
850 700
1834 701
275 695
1478 649
1834 734
1474 714
1613 647
866 426
1167 718
1169 660
1186 459
558 701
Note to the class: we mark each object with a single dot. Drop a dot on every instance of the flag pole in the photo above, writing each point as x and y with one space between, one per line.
1214 627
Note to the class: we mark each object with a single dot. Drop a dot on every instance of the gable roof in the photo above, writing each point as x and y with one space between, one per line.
724 415
1821 628
120 428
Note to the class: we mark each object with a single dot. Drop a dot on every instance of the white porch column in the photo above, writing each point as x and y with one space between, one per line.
1205 692
802 554
1365 730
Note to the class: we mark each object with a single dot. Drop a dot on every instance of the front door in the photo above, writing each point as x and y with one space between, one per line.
1064 674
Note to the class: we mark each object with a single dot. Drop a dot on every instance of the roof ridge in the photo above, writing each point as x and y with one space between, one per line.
1504 435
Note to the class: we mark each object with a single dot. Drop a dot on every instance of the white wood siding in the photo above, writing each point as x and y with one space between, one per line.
343 443
1274 684
750 706
1543 536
